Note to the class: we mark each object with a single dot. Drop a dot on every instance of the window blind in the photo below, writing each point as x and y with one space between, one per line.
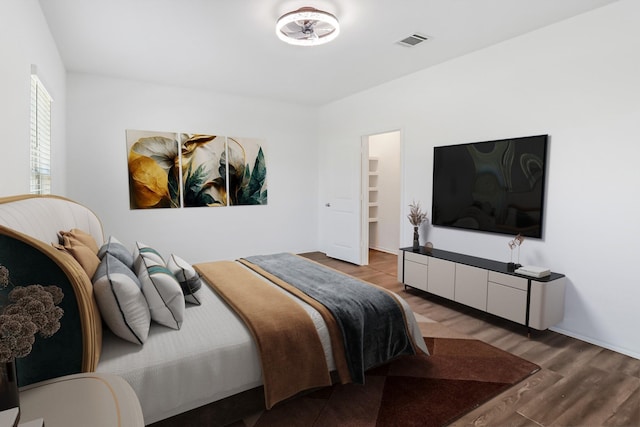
40 138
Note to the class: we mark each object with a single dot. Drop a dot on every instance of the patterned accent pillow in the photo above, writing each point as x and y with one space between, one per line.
141 249
159 286
118 250
119 296
189 279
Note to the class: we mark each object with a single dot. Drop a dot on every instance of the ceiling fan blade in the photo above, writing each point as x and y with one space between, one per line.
292 27
323 25
298 35
321 31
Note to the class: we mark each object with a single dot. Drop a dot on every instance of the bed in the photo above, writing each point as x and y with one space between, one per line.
215 359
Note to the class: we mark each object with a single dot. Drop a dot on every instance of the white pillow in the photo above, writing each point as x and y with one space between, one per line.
150 253
189 279
118 250
159 286
119 296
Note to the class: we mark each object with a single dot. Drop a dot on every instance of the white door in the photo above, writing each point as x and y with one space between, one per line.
343 207
345 239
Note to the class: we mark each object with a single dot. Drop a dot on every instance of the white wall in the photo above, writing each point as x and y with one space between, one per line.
577 81
101 109
386 147
25 40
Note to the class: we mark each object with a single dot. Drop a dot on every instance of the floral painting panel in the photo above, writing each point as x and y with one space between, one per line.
203 170
154 172
247 171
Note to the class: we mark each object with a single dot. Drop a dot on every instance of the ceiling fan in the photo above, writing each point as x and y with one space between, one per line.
307 26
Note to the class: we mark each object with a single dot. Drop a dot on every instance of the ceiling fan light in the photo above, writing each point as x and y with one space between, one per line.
305 20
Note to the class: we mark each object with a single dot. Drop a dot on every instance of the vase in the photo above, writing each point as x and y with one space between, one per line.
9 396
416 239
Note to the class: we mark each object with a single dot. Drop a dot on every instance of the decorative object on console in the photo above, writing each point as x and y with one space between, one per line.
516 242
29 310
428 247
533 271
416 218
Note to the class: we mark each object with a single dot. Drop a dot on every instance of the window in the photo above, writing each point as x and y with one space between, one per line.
40 138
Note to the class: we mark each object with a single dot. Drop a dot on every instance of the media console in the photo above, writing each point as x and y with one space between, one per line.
486 285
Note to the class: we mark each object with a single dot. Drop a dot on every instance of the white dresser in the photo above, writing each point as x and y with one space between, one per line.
485 285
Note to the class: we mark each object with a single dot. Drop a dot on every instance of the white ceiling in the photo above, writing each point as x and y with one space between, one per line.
230 46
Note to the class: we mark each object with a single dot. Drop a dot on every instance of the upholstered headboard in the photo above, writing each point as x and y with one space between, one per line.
28 227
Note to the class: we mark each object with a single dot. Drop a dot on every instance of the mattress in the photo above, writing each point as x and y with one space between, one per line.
211 357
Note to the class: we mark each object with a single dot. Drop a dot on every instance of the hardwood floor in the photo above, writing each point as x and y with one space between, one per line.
580 384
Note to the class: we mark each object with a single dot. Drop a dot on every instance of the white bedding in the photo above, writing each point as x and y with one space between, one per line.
211 357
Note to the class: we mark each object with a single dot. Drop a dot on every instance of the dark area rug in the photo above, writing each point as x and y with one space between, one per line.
458 376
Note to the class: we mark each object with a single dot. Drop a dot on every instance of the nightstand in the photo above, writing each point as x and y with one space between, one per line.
87 399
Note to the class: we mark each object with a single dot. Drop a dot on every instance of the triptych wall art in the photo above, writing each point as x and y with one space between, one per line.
174 170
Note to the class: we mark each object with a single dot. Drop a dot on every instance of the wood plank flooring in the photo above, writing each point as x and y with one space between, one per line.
580 384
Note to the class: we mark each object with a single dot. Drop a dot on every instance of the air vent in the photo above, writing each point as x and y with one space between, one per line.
413 40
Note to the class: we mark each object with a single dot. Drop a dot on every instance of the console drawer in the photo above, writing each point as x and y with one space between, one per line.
414 257
507 302
508 280
415 274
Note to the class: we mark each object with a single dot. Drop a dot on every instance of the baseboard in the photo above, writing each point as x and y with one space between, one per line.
594 341
395 252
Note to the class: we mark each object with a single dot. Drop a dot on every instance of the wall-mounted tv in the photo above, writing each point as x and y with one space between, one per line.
493 186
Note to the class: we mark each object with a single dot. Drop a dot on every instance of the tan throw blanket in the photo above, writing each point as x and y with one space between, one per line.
373 323
290 350
337 340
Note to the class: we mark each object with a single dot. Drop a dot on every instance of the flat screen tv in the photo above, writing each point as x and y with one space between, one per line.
493 186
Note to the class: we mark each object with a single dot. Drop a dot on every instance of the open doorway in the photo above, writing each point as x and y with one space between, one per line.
381 193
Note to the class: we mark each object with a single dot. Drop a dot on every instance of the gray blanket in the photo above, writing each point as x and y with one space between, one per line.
371 321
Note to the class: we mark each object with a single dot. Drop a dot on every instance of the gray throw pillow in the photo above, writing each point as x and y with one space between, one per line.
189 279
118 250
